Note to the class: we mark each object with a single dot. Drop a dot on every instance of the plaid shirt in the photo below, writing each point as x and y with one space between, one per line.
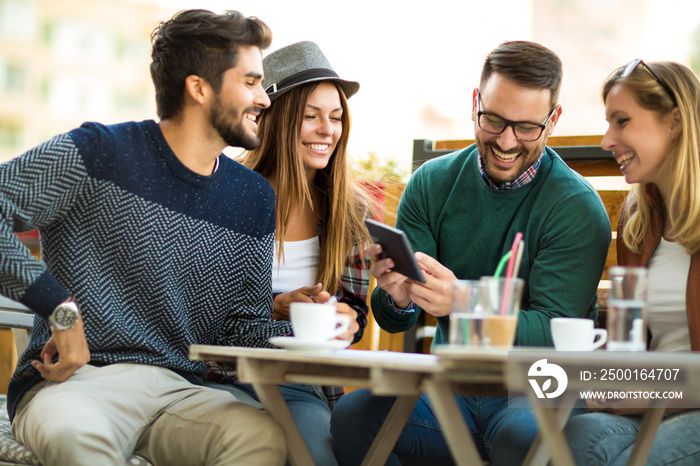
352 290
527 176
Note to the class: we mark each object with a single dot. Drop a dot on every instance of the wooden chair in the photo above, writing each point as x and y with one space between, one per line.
584 155
16 316
19 319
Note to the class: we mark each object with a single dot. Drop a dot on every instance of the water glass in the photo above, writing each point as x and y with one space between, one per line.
466 313
627 307
501 299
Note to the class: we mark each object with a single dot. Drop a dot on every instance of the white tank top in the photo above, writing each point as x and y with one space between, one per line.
668 279
299 266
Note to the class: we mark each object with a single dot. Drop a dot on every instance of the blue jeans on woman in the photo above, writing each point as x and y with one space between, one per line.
502 433
607 439
310 411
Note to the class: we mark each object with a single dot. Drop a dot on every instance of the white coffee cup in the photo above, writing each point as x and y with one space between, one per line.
317 322
571 334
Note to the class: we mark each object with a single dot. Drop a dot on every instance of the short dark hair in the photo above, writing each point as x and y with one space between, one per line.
200 43
528 64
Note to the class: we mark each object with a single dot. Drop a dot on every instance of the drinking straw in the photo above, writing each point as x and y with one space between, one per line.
507 287
518 259
501 264
513 254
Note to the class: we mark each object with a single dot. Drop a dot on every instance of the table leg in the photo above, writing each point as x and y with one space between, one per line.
551 422
538 453
391 430
273 402
647 432
454 428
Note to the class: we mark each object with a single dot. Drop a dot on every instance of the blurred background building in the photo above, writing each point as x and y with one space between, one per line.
62 62
68 61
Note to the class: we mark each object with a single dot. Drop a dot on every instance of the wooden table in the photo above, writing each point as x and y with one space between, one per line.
552 413
404 375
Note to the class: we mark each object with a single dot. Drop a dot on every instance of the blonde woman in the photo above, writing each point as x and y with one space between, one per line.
320 232
653 112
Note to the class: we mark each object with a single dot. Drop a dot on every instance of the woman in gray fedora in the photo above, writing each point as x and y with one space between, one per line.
320 232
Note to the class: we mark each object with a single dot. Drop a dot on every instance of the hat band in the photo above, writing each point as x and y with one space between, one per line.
300 78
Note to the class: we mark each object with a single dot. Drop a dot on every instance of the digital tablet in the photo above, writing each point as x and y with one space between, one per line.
395 245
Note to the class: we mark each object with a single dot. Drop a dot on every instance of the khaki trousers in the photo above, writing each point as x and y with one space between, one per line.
102 414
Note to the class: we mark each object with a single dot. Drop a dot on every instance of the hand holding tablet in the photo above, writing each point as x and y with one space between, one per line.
395 245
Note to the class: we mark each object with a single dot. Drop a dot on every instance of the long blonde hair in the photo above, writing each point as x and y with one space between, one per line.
681 165
342 204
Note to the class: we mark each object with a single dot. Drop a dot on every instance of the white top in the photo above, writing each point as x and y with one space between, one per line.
299 266
668 278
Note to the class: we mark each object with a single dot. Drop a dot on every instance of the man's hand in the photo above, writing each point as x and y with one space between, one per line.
435 295
396 285
305 294
72 349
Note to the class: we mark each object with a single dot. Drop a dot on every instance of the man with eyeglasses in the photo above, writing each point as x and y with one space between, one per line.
461 213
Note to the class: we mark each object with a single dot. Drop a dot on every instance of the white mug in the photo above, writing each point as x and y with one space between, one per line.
571 334
317 322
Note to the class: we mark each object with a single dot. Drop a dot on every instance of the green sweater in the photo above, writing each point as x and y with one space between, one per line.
449 213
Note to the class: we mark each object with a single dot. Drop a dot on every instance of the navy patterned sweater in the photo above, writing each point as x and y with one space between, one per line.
157 257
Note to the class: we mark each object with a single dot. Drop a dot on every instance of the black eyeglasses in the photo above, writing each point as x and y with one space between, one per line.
523 130
631 66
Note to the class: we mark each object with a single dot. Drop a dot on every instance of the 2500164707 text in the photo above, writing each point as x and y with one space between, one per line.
631 374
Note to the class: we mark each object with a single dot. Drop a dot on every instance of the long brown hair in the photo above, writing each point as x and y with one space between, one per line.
342 203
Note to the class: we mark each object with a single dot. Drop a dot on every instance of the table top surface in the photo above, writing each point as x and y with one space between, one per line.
604 358
446 354
357 358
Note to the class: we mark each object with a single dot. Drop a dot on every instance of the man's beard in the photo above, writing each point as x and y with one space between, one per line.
528 158
234 134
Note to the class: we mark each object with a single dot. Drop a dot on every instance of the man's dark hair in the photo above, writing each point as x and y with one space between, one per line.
200 43
526 63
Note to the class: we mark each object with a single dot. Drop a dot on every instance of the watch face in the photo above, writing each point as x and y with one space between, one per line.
64 316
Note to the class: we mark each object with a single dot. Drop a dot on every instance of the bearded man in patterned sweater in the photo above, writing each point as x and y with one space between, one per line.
151 242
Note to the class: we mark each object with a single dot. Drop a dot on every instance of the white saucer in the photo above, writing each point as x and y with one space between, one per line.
292 343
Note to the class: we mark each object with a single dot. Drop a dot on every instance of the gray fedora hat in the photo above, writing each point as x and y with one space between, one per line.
299 64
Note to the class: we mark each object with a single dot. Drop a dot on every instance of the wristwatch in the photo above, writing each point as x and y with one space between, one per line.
64 316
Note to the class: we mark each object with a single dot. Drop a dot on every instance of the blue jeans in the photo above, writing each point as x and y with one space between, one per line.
310 411
502 434
607 439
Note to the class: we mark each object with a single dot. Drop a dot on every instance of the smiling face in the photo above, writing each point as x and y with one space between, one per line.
639 138
238 103
321 127
503 156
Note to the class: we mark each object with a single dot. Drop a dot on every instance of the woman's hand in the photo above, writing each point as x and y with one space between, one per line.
305 294
342 308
